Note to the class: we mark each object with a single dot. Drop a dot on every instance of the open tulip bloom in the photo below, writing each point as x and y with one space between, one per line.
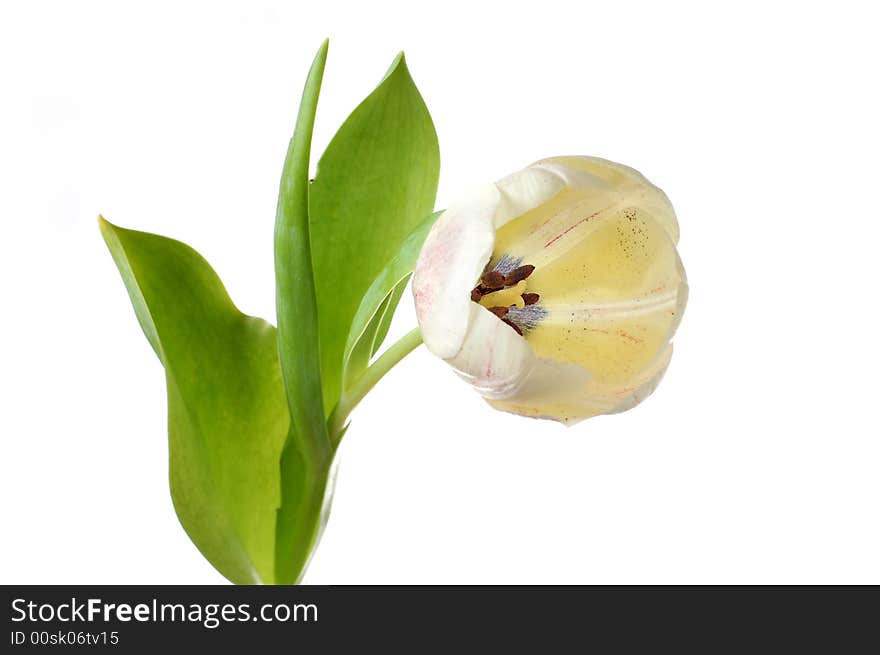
554 292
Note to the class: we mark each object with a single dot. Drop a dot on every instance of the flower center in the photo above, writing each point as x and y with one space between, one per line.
503 291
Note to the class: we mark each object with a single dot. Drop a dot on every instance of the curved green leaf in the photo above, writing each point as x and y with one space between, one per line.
374 184
307 455
227 413
294 280
374 314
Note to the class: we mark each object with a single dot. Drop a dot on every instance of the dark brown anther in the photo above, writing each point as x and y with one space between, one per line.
492 280
500 312
513 325
530 298
476 294
518 274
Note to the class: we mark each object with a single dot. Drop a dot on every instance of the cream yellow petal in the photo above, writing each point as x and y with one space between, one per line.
596 190
502 367
555 392
627 256
551 229
623 178
638 388
612 350
613 301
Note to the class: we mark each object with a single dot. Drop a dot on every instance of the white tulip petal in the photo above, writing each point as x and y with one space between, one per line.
452 258
572 177
526 189
493 358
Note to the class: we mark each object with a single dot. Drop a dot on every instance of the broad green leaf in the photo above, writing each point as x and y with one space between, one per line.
294 280
227 413
373 317
374 184
307 452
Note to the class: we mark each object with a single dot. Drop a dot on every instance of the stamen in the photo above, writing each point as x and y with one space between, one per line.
505 297
507 264
527 318
502 291
493 280
519 274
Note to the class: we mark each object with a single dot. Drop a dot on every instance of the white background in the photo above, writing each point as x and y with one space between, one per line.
755 462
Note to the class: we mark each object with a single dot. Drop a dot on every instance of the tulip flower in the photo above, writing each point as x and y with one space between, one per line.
555 292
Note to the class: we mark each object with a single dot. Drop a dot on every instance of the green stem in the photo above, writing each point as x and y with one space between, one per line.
368 379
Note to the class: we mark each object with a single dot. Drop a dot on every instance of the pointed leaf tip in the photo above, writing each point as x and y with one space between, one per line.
374 184
227 412
104 225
